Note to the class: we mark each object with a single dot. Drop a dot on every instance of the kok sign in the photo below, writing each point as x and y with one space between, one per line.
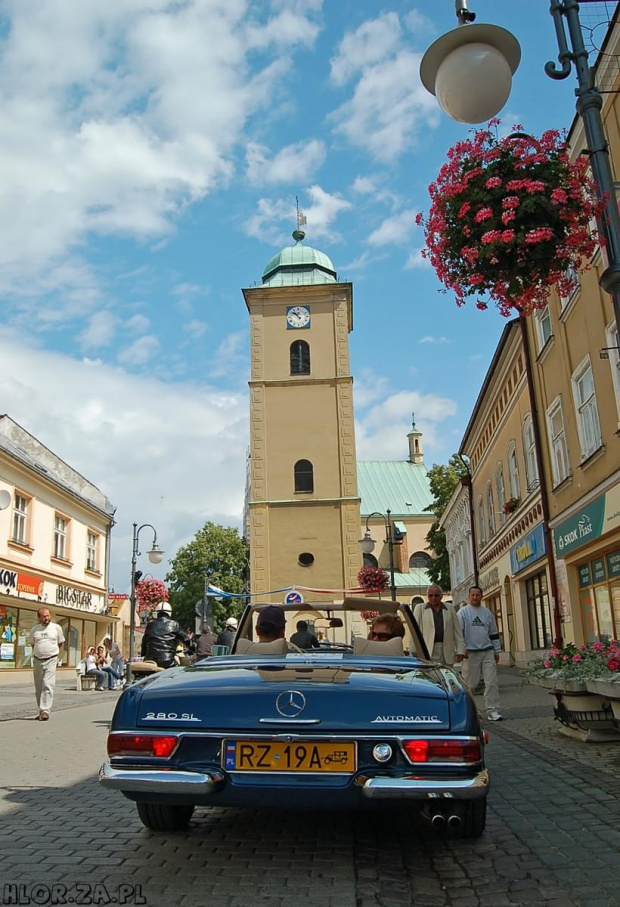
294 598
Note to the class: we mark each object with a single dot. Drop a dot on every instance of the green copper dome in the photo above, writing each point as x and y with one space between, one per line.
298 265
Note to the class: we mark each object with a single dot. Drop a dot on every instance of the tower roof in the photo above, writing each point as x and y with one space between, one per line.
299 265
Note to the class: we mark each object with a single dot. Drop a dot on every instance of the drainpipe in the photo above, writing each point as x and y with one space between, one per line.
557 620
467 482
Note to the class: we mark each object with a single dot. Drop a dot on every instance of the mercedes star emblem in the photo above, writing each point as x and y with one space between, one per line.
290 703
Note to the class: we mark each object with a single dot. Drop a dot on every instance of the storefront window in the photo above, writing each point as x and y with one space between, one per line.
8 636
74 643
27 620
90 635
588 616
600 597
603 610
615 603
494 604
539 611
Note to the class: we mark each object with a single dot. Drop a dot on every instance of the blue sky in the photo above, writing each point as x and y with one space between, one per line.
151 155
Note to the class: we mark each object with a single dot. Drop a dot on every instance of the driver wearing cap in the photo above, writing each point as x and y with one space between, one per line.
271 625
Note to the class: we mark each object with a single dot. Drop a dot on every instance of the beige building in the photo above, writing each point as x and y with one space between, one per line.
456 522
303 504
577 384
511 538
54 548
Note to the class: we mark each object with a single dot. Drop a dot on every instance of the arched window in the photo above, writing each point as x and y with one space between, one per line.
513 470
300 358
529 452
420 559
490 511
481 528
304 476
370 561
501 490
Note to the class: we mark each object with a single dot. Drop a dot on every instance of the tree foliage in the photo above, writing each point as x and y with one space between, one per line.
443 480
216 554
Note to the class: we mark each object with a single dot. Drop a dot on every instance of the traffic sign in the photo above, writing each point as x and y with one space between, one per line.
293 598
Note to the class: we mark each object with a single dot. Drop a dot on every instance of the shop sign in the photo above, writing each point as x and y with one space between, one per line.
585 578
117 596
598 570
7 651
68 595
531 548
21 582
613 563
490 579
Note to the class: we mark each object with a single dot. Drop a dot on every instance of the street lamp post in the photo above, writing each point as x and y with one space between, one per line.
469 87
155 556
367 544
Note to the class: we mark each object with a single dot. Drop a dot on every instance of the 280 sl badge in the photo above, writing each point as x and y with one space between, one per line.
406 719
170 716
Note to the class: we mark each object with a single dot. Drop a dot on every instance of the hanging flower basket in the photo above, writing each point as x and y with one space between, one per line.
149 593
511 505
510 218
369 615
373 579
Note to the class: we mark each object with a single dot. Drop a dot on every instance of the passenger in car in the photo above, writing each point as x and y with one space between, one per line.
270 623
386 626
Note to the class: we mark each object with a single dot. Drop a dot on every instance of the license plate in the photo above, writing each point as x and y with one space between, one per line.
263 756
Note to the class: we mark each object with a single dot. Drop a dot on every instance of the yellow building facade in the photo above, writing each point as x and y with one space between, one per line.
303 503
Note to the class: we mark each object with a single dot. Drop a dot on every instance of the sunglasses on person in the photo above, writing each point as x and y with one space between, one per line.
383 637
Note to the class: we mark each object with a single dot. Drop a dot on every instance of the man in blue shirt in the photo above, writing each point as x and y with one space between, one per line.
482 648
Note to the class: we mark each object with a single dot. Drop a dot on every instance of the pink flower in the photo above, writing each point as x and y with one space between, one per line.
490 236
508 235
576 659
511 201
493 182
464 209
559 197
483 214
565 658
419 218
547 664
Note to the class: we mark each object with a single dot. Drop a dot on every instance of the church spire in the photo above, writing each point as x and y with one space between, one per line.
415 443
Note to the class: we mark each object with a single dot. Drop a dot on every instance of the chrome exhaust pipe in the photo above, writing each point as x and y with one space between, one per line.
454 823
438 822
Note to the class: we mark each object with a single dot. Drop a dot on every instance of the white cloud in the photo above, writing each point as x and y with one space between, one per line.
371 42
416 260
138 324
295 163
417 22
126 433
100 330
382 432
368 387
231 356
140 352
272 218
431 339
114 118
394 230
196 328
363 184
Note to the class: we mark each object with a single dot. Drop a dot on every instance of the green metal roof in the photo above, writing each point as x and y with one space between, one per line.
399 485
415 579
299 265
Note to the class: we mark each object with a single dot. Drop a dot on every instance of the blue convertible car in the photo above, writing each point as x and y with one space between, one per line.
353 724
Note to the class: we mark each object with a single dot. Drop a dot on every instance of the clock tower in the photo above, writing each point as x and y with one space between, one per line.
304 509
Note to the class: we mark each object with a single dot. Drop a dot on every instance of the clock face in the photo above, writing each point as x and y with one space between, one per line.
298 316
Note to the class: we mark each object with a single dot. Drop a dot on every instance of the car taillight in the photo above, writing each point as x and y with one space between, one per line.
142 745
429 750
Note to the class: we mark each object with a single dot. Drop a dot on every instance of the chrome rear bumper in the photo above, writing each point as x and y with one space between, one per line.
426 788
144 780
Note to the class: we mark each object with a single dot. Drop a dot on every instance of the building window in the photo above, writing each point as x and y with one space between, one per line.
92 544
513 471
613 344
20 519
300 358
481 529
557 441
420 559
490 511
529 453
61 526
543 327
501 491
541 636
571 274
370 561
599 597
304 476
587 411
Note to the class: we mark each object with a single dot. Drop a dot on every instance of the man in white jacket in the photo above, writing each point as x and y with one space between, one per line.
440 628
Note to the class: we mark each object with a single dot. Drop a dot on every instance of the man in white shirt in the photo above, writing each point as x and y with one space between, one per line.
46 638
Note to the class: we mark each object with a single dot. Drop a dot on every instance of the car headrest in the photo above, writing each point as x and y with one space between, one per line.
363 646
245 647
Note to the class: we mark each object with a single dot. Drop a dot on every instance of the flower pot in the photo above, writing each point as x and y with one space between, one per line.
607 688
586 715
562 686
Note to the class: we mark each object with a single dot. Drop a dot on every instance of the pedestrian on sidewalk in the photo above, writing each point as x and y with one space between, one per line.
90 663
46 638
117 662
482 647
440 628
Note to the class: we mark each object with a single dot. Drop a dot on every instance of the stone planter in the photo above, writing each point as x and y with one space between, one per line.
606 688
586 716
562 686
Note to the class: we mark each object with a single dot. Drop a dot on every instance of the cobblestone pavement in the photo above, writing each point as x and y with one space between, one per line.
552 836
